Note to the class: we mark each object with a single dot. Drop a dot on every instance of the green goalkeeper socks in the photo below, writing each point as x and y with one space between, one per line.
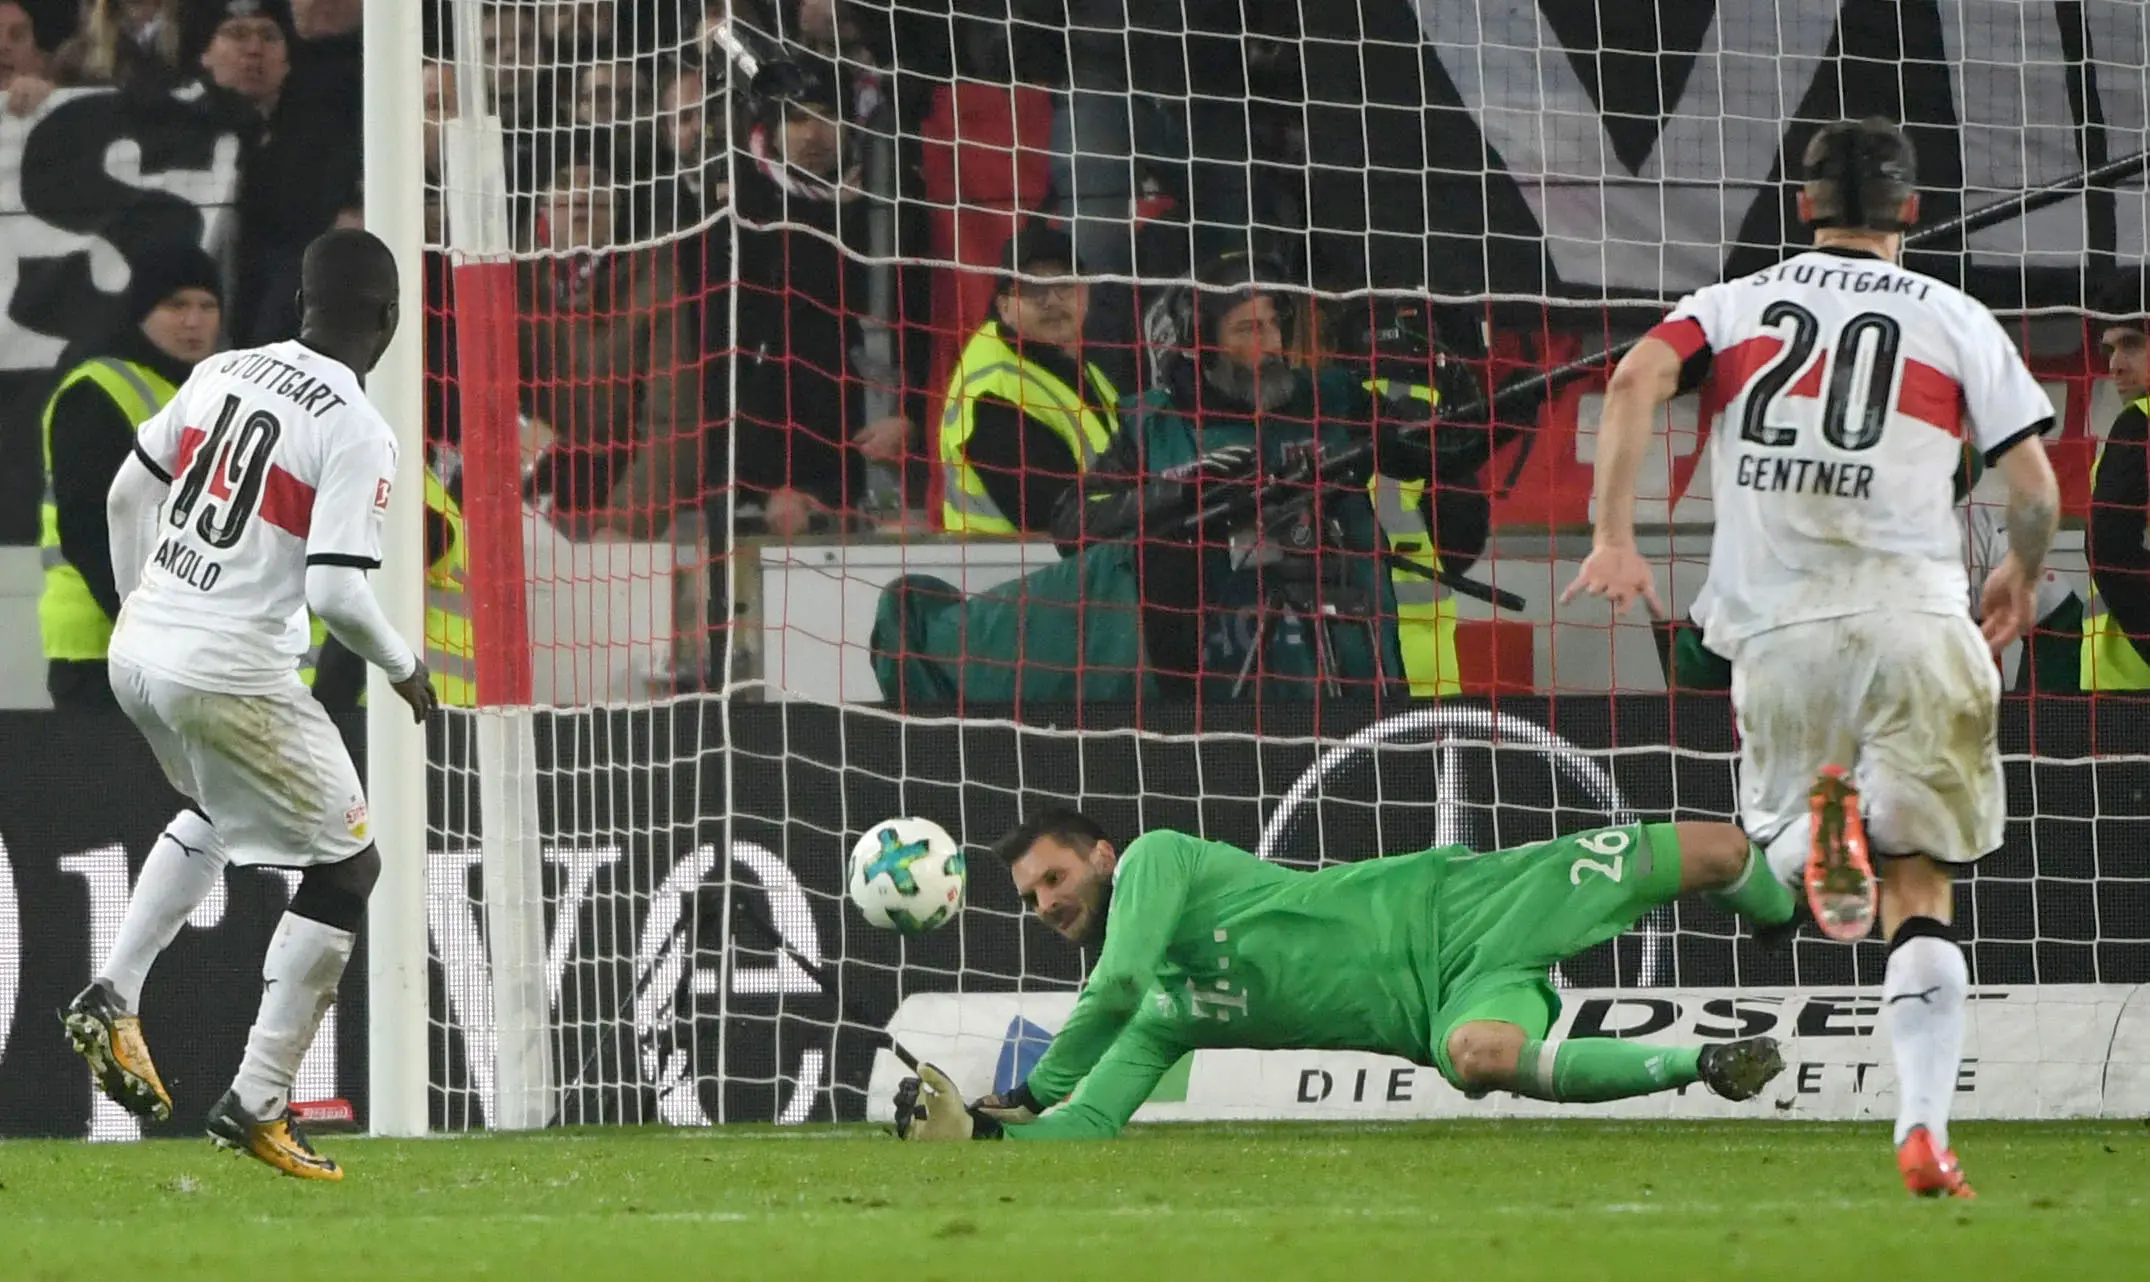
1591 1070
1757 895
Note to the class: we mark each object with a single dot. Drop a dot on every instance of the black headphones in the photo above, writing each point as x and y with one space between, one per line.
1172 326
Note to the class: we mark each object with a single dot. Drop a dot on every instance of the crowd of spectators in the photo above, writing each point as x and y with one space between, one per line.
756 236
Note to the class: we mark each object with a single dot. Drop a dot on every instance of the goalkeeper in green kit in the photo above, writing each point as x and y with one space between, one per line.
1439 957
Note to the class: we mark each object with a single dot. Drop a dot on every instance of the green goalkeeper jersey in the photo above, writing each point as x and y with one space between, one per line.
1207 945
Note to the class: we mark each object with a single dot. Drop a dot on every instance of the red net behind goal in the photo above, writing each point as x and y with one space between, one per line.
744 265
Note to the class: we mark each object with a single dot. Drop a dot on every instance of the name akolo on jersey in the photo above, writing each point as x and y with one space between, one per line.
275 462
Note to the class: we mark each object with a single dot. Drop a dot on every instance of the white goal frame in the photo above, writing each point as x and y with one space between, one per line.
396 987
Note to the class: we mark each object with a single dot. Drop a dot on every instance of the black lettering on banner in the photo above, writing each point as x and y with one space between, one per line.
184 167
1818 1018
1810 1079
1752 1023
1307 1078
1399 1085
1858 1075
1594 1018
1358 1092
229 471
1967 1077
106 180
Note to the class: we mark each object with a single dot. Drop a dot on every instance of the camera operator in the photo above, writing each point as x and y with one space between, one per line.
1263 567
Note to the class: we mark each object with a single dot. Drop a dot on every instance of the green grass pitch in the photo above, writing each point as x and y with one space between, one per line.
1568 1200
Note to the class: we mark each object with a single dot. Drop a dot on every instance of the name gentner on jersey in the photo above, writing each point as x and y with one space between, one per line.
1822 476
1846 389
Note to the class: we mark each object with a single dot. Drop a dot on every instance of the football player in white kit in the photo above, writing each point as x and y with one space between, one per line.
256 494
1866 697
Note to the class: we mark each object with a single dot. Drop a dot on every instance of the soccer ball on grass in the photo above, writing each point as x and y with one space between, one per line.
907 875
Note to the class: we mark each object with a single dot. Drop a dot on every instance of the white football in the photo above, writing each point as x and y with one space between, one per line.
907 875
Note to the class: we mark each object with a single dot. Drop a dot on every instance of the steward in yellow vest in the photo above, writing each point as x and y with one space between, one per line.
1026 416
338 676
2117 616
1398 342
1425 609
172 313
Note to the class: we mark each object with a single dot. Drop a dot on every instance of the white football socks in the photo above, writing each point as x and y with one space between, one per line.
182 868
298 981
1788 852
1923 994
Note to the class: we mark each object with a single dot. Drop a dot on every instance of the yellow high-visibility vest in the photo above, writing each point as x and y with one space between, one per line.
74 626
2110 661
1425 610
450 656
989 366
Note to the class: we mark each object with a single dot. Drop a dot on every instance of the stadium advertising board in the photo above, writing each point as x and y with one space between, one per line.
2063 1050
704 965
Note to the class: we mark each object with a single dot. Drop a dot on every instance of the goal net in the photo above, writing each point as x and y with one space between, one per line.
701 280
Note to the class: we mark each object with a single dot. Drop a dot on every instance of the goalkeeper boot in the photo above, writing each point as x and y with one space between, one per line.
278 1142
1840 877
1929 1172
118 1056
1739 1070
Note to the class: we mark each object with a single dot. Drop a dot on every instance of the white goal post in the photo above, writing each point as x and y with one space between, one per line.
396 970
515 1045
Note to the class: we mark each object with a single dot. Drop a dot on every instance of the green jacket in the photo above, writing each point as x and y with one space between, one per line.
1164 435
1071 632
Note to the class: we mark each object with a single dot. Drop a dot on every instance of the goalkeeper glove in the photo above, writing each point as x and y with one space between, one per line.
1017 1107
928 1107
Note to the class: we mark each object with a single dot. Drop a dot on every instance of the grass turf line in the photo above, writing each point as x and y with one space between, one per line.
1565 1200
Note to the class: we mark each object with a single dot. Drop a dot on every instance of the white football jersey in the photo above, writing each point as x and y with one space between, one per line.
276 461
1848 388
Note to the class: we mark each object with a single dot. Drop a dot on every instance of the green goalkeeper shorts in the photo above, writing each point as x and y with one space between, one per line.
1504 919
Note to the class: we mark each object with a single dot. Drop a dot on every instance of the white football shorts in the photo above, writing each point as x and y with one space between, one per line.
269 770
1909 703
